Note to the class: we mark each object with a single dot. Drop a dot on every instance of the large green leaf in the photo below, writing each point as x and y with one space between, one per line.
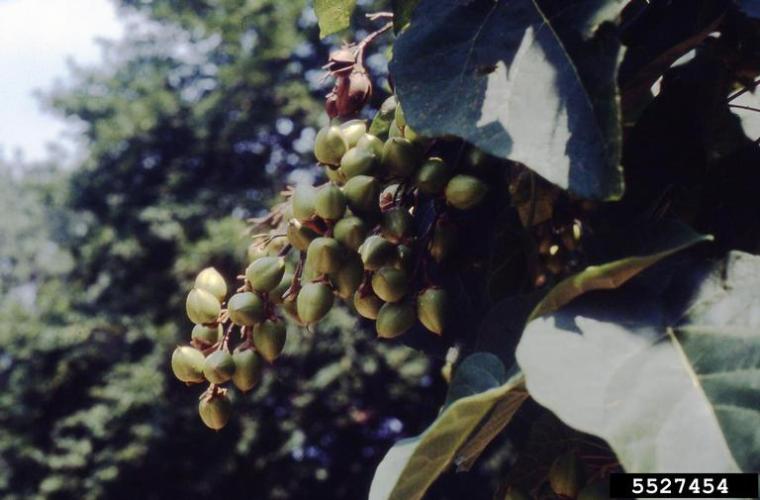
671 380
333 15
521 79
456 436
667 240
388 471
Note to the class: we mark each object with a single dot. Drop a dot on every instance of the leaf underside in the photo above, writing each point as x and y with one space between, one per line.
671 380
412 465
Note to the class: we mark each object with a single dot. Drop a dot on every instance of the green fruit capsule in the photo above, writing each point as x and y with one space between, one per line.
443 240
310 272
433 176
314 301
187 364
399 157
330 203
202 306
361 193
269 339
330 145
358 161
247 369
465 191
566 475
390 284
367 305
336 176
348 278
393 319
207 335
215 411
376 252
397 225
599 490
371 143
353 130
265 273
210 280
275 295
324 255
432 305
351 232
303 201
218 367
246 309
299 235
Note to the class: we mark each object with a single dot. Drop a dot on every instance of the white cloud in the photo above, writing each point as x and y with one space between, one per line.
37 37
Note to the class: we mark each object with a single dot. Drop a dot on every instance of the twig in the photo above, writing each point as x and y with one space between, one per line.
369 39
379 15
748 88
748 108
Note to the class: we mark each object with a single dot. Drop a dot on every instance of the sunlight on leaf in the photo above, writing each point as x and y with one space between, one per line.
412 465
333 15
520 83
670 381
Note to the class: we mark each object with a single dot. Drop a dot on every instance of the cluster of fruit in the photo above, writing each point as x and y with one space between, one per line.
357 232
554 220
208 358
355 238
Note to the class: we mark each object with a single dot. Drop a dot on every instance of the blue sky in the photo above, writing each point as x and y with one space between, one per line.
37 37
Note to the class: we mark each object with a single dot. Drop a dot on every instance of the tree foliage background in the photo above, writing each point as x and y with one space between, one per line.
207 109
192 123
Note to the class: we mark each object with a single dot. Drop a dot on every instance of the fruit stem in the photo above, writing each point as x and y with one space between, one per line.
749 88
365 288
285 250
295 286
224 344
369 39
246 333
379 15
